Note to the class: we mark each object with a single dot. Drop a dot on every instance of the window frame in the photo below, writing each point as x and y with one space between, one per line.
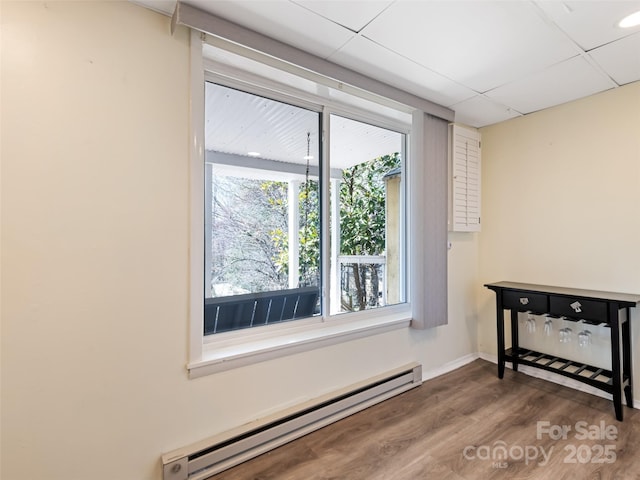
223 351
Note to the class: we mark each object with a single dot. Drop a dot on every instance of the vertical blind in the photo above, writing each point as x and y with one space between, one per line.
428 180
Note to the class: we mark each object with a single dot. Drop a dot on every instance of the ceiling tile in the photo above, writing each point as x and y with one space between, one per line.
163 6
566 81
283 21
523 55
478 44
591 23
368 58
480 111
621 59
353 15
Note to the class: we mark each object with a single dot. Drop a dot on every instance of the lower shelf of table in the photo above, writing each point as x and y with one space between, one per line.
595 376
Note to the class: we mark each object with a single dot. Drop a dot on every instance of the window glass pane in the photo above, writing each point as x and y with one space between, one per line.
368 211
262 249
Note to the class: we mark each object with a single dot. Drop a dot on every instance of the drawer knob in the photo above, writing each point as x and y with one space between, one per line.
524 300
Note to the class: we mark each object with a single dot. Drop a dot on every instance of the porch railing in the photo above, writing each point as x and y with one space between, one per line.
362 281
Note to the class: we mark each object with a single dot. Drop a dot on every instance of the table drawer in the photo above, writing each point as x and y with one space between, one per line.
578 308
525 301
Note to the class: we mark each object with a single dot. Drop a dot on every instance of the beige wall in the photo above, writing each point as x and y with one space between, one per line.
94 248
561 202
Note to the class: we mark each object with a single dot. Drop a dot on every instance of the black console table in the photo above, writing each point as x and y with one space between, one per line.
594 307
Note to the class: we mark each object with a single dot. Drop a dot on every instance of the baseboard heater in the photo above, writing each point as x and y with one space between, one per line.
213 455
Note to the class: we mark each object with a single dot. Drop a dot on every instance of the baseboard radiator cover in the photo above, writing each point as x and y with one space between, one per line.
206 458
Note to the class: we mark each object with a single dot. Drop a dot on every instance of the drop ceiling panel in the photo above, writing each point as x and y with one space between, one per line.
353 15
480 111
283 21
452 52
564 82
479 44
165 7
591 23
620 59
365 56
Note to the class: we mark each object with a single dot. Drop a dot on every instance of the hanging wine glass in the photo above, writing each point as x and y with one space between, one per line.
584 337
531 323
548 326
565 335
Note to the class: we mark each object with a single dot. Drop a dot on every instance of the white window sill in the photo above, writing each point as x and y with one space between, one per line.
244 347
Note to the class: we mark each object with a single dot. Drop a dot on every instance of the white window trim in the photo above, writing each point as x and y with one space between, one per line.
225 351
230 350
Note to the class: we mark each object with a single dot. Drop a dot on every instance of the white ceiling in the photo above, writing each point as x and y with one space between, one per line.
486 60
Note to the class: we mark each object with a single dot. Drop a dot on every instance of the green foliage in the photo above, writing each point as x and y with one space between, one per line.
276 194
309 235
362 206
362 227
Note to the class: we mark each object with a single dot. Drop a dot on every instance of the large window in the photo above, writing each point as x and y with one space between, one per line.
299 258
288 235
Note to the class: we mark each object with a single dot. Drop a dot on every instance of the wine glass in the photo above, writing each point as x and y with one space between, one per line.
531 323
584 337
565 335
548 326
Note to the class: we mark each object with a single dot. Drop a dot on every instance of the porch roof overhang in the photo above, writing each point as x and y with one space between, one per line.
232 164
285 134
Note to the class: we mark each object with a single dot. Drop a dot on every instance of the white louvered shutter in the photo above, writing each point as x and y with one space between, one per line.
464 173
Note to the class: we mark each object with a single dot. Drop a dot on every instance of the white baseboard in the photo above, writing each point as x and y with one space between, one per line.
449 367
556 378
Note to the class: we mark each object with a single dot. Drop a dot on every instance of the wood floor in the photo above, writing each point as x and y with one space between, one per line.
469 425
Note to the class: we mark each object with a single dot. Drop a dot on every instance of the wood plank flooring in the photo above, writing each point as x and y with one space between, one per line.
465 425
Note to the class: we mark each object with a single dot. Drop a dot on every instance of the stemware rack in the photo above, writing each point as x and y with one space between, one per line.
587 306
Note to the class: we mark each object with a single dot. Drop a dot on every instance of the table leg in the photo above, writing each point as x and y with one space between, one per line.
515 343
616 370
627 364
500 329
